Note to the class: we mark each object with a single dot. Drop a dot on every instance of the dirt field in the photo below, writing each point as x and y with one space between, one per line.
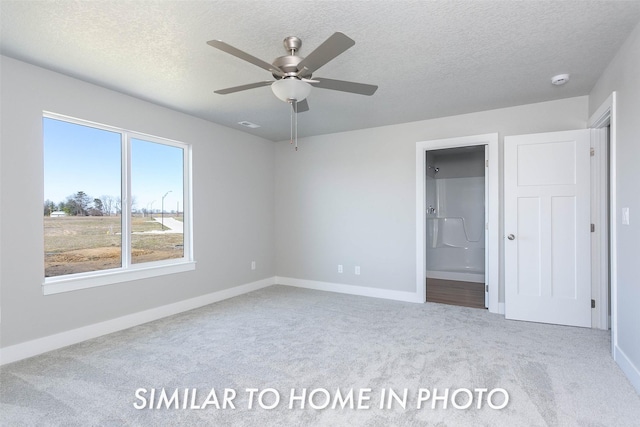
81 244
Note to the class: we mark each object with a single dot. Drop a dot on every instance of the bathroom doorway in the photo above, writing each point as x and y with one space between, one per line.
494 289
456 190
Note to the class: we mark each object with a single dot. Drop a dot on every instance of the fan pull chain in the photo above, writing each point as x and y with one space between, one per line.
295 106
291 122
294 123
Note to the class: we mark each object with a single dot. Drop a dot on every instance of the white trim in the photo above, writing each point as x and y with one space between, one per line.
630 370
114 129
607 113
486 224
493 207
600 118
59 284
501 308
600 234
349 289
126 205
52 342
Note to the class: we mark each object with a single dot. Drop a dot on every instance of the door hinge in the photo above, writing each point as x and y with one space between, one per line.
593 228
486 288
592 151
486 163
593 303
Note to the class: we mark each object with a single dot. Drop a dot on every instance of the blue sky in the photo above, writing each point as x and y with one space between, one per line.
81 158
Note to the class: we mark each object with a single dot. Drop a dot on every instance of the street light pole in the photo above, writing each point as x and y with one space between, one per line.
162 212
150 210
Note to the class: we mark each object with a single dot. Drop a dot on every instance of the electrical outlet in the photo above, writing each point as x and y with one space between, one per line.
253 265
339 268
357 270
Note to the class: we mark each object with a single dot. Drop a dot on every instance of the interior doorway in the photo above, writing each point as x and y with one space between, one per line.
456 219
605 118
603 207
491 225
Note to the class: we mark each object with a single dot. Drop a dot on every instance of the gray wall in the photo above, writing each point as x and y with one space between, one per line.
350 198
622 76
232 200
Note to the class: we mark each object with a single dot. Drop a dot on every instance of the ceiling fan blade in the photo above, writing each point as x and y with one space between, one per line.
219 44
329 49
344 86
302 106
243 87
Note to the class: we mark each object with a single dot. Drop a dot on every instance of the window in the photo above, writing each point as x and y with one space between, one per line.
156 188
117 205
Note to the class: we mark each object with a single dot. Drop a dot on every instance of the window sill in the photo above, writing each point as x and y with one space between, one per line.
56 285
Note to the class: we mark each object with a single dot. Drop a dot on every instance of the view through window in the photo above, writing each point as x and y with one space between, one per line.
156 185
86 209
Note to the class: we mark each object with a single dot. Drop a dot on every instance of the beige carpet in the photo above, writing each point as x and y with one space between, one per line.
286 338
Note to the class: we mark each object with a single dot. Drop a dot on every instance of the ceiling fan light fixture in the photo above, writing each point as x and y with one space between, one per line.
291 88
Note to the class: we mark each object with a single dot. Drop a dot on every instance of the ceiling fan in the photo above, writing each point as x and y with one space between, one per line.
293 73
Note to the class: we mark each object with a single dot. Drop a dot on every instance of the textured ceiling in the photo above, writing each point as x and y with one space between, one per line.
429 59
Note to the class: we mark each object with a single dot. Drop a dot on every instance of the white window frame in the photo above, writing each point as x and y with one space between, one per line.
128 271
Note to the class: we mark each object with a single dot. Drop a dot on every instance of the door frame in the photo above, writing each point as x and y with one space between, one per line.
600 228
492 251
604 116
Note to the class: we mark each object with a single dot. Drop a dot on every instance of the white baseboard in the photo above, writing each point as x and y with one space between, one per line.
52 342
627 366
349 289
501 308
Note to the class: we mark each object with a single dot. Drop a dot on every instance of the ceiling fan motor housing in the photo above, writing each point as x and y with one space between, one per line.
289 66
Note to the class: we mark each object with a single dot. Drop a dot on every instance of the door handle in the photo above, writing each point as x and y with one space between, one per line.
511 237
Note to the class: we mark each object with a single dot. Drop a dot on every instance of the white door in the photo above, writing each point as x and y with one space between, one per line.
547 228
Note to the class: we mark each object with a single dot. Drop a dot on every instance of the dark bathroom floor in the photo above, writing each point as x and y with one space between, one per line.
453 292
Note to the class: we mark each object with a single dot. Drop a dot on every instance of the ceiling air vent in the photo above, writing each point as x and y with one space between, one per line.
248 124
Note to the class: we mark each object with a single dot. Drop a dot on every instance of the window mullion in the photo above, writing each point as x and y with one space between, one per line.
126 200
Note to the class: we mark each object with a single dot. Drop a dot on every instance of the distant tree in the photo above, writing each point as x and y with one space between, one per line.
97 204
78 203
49 207
62 206
71 206
117 204
97 209
107 204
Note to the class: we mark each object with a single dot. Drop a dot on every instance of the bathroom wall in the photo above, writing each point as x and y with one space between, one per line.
456 190
459 162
